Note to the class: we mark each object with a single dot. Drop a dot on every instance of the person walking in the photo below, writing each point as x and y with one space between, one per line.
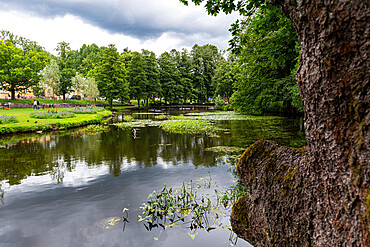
38 105
34 104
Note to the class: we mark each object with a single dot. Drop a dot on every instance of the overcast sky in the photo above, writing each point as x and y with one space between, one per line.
156 25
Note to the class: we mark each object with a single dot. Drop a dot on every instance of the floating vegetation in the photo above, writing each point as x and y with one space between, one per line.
169 117
124 125
225 149
161 117
184 206
136 124
8 119
147 113
189 127
96 128
220 115
52 115
85 110
179 117
127 118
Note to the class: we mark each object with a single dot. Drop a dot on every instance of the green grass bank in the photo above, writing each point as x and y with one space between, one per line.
27 124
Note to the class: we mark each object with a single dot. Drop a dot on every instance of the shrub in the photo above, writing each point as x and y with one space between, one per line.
52 115
8 119
220 102
85 110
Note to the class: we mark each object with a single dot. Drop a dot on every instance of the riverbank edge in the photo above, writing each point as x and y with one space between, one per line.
100 117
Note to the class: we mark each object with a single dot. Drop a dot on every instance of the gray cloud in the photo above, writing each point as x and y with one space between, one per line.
142 19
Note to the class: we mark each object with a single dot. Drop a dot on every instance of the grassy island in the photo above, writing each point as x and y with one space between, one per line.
25 120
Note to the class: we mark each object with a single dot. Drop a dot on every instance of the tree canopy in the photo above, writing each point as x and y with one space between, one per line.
20 66
111 75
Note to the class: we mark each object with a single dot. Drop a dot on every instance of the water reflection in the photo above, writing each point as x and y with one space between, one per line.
118 150
55 188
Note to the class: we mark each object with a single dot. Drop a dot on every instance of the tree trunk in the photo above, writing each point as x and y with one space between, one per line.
12 94
331 197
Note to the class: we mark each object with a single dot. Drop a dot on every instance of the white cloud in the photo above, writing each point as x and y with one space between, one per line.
174 25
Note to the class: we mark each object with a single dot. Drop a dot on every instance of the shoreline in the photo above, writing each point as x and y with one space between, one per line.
27 124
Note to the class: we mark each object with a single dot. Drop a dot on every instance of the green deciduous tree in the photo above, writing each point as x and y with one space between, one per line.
153 88
204 60
111 75
19 69
268 53
65 59
87 58
168 76
224 78
137 77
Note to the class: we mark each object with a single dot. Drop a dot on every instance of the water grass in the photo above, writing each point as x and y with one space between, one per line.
186 205
96 128
225 149
124 125
222 116
188 127
127 118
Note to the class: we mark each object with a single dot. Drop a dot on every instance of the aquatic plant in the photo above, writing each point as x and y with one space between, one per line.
225 149
221 116
137 124
124 125
179 117
174 207
161 117
96 128
170 207
52 114
127 118
8 119
188 127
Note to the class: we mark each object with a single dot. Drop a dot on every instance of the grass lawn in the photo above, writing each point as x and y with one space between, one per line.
28 124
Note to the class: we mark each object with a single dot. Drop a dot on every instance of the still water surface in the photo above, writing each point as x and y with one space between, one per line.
59 189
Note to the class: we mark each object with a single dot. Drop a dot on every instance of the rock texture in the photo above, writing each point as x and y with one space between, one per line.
320 197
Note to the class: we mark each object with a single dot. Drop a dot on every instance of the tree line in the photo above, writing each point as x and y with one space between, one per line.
256 77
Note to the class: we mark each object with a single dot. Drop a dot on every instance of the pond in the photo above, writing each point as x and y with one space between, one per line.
70 188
